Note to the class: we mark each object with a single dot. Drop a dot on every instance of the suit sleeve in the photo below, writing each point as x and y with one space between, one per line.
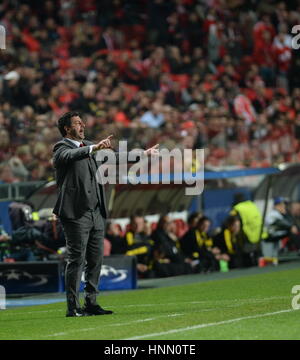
63 155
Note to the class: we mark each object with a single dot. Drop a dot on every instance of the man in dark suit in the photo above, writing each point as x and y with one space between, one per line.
81 207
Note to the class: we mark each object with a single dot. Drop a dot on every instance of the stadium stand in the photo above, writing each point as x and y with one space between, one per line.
182 73
147 69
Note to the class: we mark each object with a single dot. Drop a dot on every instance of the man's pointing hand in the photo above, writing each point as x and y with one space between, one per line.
103 144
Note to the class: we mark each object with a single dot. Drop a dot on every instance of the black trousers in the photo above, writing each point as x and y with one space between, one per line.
84 241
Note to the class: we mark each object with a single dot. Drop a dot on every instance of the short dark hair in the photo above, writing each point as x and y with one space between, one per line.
193 216
231 220
65 120
202 220
238 198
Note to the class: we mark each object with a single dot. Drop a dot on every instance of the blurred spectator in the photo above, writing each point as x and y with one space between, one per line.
279 224
6 175
233 38
251 221
139 244
53 239
114 236
199 248
168 259
193 219
230 244
154 117
18 169
4 244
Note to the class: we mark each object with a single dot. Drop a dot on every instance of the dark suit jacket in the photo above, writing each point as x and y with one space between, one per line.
74 177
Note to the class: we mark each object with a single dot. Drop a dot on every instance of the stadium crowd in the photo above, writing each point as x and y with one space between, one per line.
215 74
220 75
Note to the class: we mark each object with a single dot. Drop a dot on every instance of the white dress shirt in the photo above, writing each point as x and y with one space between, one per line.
77 143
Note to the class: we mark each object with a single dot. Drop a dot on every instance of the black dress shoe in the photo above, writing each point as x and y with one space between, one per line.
76 313
96 310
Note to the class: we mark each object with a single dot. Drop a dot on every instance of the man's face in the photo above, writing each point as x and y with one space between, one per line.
139 223
281 208
76 130
205 226
235 227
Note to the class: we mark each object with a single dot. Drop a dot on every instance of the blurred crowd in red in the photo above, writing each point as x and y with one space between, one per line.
220 75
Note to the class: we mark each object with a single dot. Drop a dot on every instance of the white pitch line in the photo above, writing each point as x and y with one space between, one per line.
8 312
201 326
254 300
240 301
115 324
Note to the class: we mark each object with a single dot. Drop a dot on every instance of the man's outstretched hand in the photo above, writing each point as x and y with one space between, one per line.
103 144
106 144
152 151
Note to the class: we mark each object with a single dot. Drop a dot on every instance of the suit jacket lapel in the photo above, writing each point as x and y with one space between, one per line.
70 143
91 162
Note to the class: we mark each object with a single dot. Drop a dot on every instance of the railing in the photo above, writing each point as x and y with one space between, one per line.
18 191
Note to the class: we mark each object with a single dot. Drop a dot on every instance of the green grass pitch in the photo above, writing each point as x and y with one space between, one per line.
247 307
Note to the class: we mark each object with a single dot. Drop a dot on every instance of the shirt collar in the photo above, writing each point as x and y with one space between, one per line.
75 142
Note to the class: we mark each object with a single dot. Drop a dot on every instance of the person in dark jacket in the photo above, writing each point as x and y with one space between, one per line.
197 245
168 258
114 236
81 208
138 243
229 243
279 225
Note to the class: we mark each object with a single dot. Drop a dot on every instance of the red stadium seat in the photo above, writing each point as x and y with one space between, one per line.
182 79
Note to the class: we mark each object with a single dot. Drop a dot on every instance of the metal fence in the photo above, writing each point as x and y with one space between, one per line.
18 191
